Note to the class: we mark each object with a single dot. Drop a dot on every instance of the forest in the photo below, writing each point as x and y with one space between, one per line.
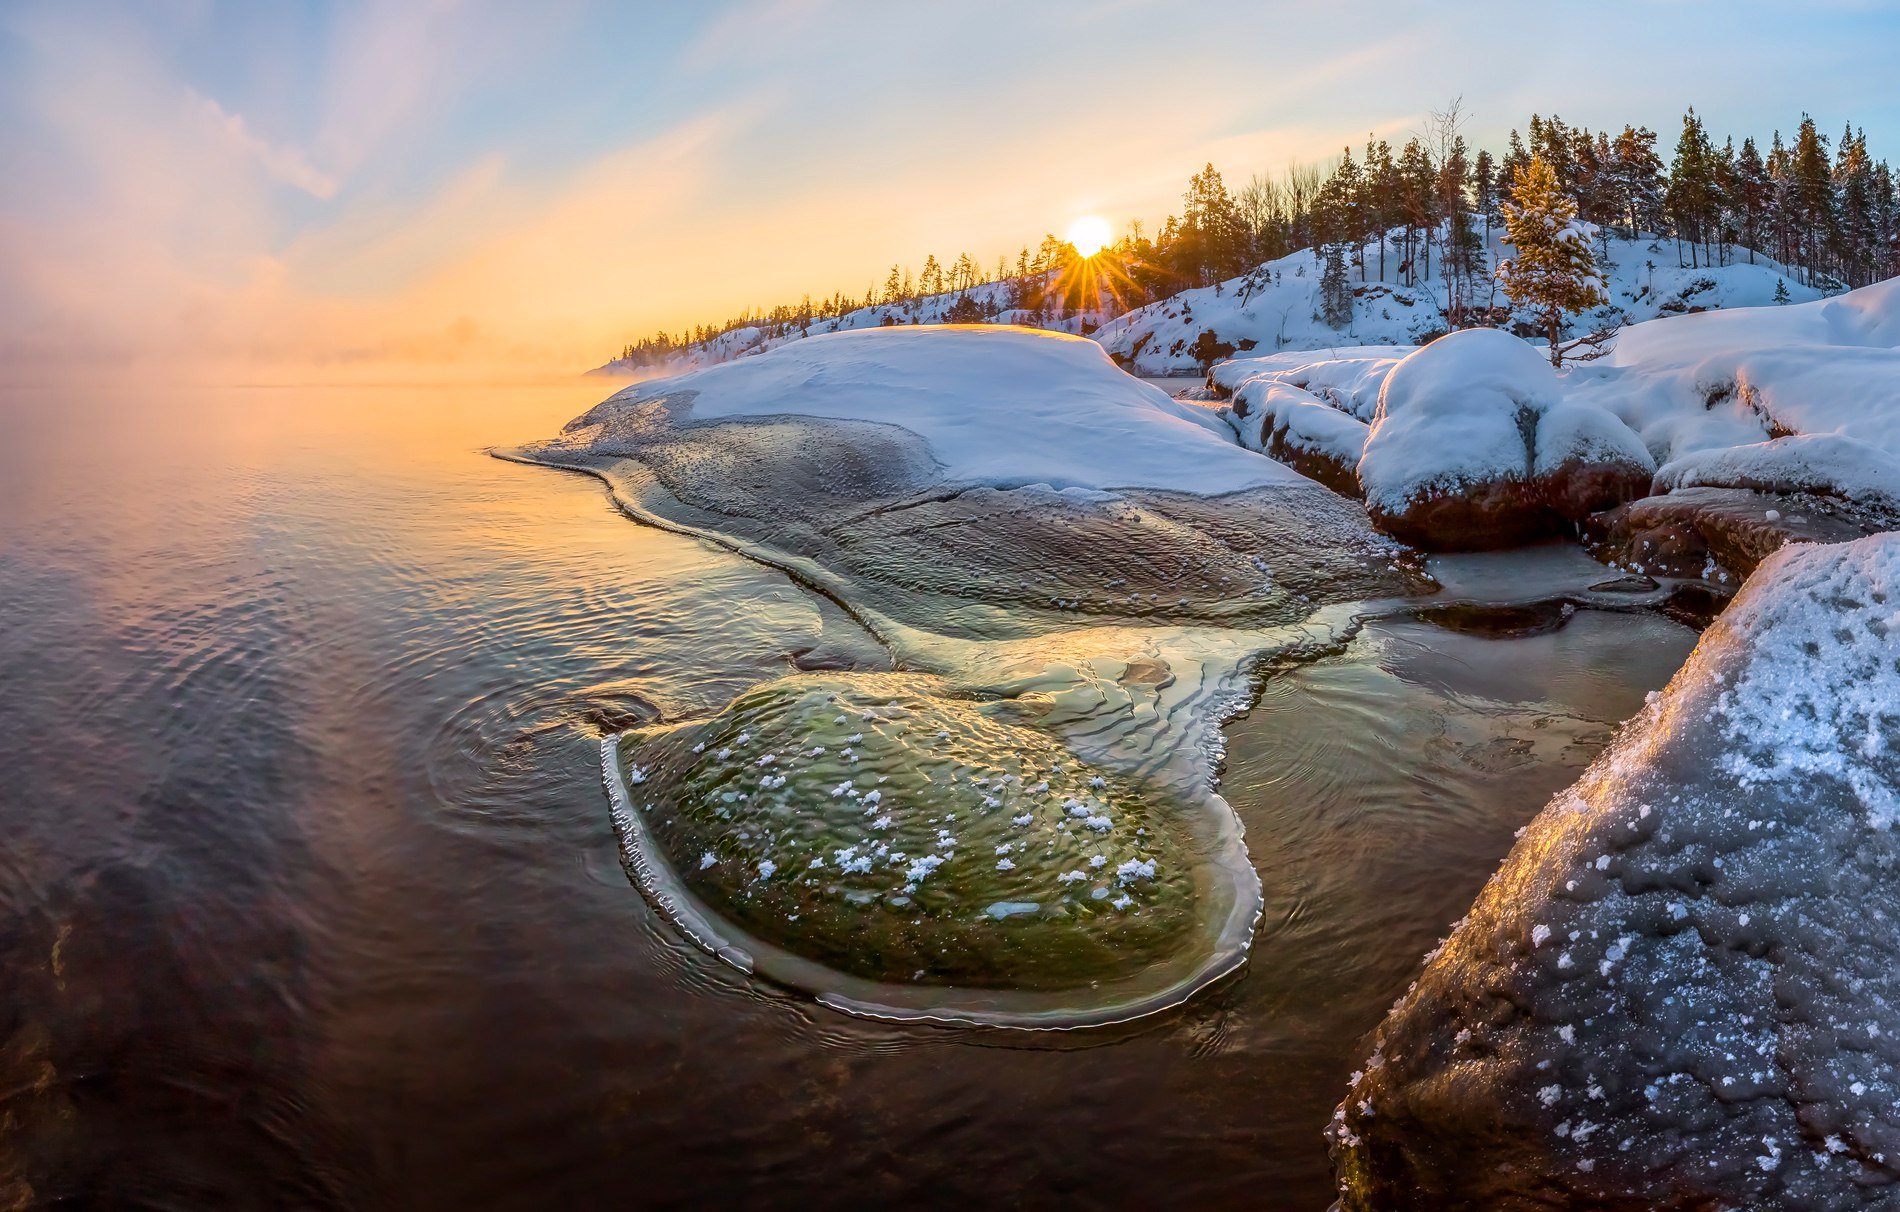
1823 207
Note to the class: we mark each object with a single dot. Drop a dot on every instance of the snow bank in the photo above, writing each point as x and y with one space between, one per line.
1004 407
1822 462
1683 987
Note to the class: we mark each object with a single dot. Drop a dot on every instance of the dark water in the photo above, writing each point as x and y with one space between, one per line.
308 893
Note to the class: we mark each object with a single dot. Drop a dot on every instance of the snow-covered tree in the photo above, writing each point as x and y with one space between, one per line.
1554 271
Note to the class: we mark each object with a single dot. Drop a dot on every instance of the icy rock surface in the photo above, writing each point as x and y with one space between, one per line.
1682 989
958 479
1474 445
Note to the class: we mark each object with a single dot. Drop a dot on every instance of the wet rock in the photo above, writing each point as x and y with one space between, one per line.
1625 584
1695 603
1500 622
1682 989
1721 534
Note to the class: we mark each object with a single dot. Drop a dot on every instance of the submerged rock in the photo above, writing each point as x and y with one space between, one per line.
1682 989
1473 447
874 822
1500 621
1721 534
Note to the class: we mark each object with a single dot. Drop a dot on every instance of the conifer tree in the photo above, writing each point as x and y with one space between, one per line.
1554 271
1637 172
1335 291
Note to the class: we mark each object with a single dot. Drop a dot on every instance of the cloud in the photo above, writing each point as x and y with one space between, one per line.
282 161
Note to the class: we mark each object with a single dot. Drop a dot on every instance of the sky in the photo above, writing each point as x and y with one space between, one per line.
445 187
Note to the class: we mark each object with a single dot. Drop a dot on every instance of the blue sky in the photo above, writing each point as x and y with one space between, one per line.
498 184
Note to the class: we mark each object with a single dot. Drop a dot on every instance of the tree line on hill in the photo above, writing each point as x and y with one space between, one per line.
1825 209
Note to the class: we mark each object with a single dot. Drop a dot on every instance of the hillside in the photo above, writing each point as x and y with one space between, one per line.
1275 307
986 304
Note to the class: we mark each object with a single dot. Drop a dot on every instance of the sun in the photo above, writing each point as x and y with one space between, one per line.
1089 234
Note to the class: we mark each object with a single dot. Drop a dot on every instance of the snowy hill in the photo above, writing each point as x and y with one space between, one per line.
1277 306
985 304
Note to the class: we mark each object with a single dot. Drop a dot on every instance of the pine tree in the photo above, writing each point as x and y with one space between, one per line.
1752 193
1812 195
1484 189
1335 290
1781 290
1691 196
1554 271
1638 175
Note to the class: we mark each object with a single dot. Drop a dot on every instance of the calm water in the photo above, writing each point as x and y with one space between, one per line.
308 893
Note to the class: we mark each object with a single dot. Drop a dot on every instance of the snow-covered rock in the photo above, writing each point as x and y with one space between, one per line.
975 479
1682 989
1821 462
996 406
1475 445
1349 382
1302 431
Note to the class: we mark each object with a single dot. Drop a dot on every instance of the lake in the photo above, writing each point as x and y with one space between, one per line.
310 893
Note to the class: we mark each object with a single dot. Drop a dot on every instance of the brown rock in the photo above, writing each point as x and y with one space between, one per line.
1678 534
1510 513
1337 474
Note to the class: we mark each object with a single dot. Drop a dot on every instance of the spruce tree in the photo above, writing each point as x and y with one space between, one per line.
1553 271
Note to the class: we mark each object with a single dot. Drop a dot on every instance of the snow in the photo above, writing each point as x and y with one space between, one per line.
1807 462
1695 384
1003 407
1726 876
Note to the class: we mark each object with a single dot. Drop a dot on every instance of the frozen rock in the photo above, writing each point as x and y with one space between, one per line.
940 476
1682 989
